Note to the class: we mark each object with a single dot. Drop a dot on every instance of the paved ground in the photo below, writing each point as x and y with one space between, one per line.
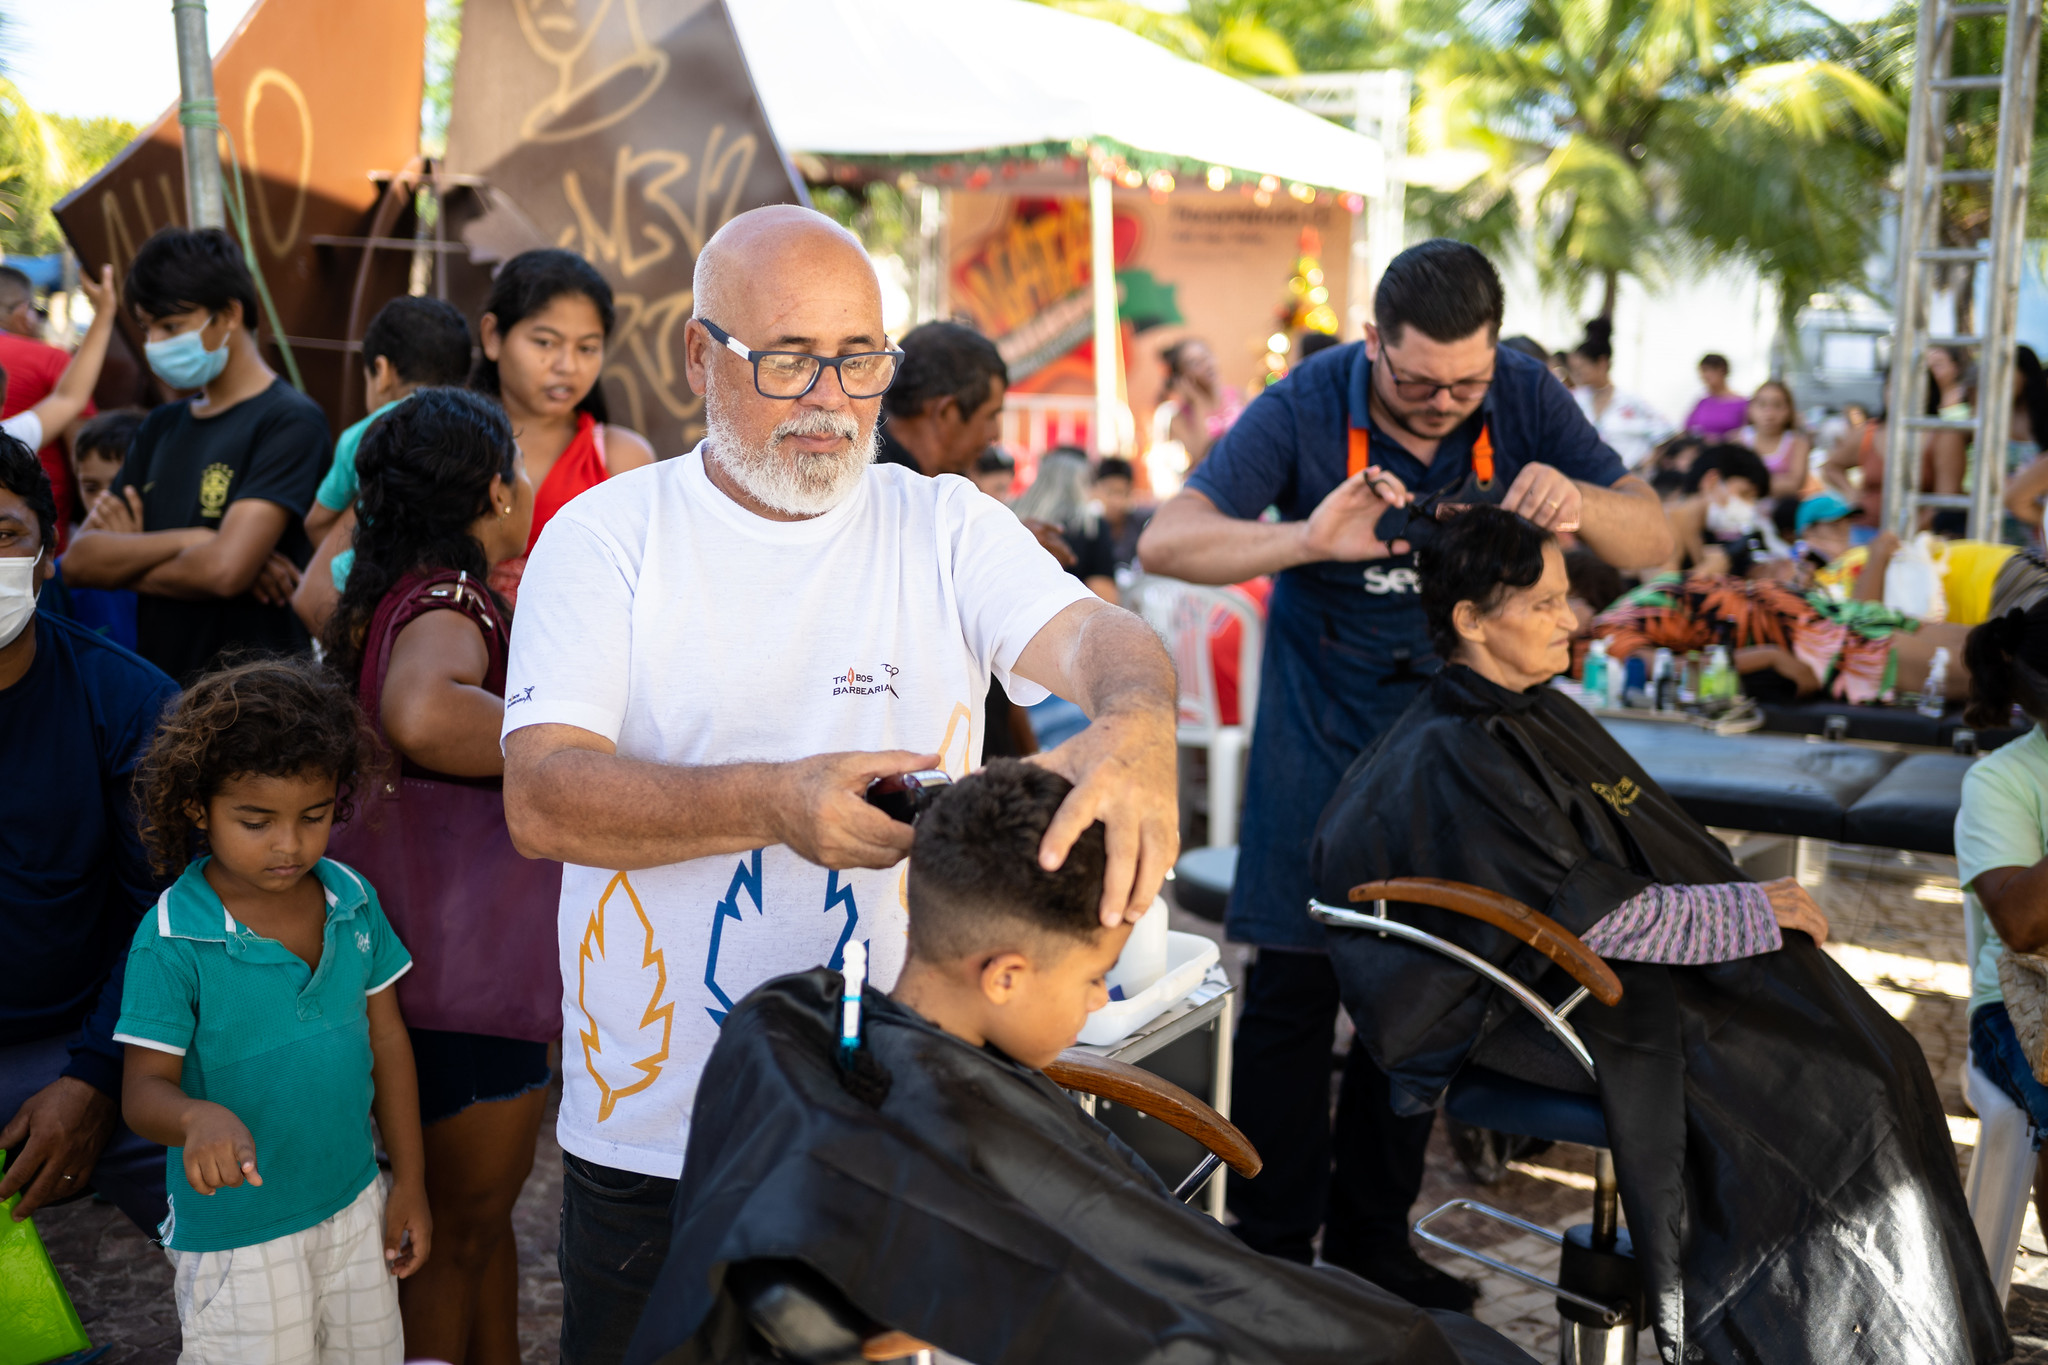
1897 928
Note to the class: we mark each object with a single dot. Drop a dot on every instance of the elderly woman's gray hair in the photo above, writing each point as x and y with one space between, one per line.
1060 494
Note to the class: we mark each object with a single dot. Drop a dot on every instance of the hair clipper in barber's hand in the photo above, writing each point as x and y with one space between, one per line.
905 796
1419 521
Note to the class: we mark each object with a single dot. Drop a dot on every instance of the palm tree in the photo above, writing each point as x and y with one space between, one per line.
42 157
1231 36
1646 132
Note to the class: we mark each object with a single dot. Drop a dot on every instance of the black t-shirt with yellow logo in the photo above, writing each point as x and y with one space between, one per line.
275 447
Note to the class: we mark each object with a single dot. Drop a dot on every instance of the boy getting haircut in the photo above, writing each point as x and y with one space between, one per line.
975 882
1004 954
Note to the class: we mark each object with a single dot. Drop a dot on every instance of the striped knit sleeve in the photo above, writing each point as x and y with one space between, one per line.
1689 925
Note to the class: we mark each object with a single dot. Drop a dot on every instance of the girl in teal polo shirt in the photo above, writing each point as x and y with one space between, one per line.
262 1032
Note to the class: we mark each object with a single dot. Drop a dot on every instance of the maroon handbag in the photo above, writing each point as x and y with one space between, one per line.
477 916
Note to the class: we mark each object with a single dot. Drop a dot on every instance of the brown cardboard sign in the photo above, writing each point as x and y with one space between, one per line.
314 96
628 131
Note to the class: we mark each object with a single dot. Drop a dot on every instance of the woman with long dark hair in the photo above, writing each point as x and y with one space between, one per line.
421 638
543 334
1629 424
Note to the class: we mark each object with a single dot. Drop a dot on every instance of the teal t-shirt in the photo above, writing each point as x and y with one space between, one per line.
285 1047
2003 822
338 490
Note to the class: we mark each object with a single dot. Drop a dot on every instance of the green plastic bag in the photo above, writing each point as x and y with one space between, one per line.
37 1321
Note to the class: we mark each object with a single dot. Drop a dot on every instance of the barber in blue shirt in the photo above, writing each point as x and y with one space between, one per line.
1427 401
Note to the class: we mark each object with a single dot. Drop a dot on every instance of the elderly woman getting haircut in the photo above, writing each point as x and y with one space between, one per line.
1785 1170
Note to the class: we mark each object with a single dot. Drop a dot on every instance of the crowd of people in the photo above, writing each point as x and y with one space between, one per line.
380 767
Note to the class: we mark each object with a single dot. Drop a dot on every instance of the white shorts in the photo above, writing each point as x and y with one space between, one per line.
319 1297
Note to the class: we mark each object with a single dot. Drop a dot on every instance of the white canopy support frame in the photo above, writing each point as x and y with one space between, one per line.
980 78
896 79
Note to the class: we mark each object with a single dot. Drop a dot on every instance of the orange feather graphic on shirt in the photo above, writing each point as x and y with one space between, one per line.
591 953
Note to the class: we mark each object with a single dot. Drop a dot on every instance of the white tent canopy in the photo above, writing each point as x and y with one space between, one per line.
894 78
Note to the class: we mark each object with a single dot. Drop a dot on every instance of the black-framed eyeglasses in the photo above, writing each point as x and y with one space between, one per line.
792 374
1426 390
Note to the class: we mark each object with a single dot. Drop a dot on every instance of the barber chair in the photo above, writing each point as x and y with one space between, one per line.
806 1320
1534 1077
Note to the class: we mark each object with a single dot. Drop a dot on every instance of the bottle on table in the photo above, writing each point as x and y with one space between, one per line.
1719 683
1689 680
1593 679
1663 682
1933 695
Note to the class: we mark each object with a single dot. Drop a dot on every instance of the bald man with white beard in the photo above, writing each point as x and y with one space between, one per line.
712 658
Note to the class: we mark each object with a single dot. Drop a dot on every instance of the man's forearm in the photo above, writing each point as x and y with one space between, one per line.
600 810
1192 540
1119 667
120 559
199 571
1625 525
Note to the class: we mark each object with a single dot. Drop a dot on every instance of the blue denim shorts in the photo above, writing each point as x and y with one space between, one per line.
1996 1050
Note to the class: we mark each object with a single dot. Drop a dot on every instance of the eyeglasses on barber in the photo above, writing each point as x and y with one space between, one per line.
792 374
1426 390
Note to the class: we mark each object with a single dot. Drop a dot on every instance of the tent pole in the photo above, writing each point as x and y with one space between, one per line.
199 117
1102 271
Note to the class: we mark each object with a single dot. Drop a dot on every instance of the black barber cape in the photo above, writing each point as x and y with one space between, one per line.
981 1210
1786 1174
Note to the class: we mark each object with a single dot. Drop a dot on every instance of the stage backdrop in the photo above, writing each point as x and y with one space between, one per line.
314 97
1190 263
629 131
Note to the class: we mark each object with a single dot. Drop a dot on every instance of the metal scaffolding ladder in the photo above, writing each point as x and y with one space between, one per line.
1920 248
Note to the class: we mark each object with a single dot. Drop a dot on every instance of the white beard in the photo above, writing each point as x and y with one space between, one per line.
796 485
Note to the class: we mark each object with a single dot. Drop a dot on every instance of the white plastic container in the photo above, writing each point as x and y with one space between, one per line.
1143 960
1188 959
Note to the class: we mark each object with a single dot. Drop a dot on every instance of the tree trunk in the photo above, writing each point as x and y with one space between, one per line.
1609 281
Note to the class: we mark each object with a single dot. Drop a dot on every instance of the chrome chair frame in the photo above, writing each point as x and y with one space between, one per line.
1606 1189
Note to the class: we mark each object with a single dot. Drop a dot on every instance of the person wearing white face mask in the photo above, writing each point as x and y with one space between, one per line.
1720 502
207 520
76 711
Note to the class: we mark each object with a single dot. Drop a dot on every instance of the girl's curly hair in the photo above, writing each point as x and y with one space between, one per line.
268 718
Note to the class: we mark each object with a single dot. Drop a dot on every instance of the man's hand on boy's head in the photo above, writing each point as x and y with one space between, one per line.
1123 771
405 1212
219 1149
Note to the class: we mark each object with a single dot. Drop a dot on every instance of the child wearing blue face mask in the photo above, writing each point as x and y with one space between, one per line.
206 519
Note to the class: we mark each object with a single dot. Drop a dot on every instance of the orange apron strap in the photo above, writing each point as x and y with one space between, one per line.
1482 455
1361 451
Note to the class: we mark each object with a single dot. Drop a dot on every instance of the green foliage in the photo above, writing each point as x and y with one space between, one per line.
1886 57
444 36
1231 36
1646 133
877 213
42 158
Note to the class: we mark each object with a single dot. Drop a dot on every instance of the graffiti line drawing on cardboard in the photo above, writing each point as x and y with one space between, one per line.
561 38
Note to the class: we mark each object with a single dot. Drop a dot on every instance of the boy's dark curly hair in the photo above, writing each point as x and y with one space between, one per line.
268 717
975 882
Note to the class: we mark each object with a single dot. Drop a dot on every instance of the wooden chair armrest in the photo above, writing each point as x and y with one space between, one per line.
891 1345
1509 915
1156 1097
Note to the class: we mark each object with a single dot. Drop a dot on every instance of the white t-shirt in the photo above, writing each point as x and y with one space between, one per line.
659 613
26 428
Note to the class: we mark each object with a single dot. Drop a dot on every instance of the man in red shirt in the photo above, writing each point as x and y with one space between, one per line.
32 368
